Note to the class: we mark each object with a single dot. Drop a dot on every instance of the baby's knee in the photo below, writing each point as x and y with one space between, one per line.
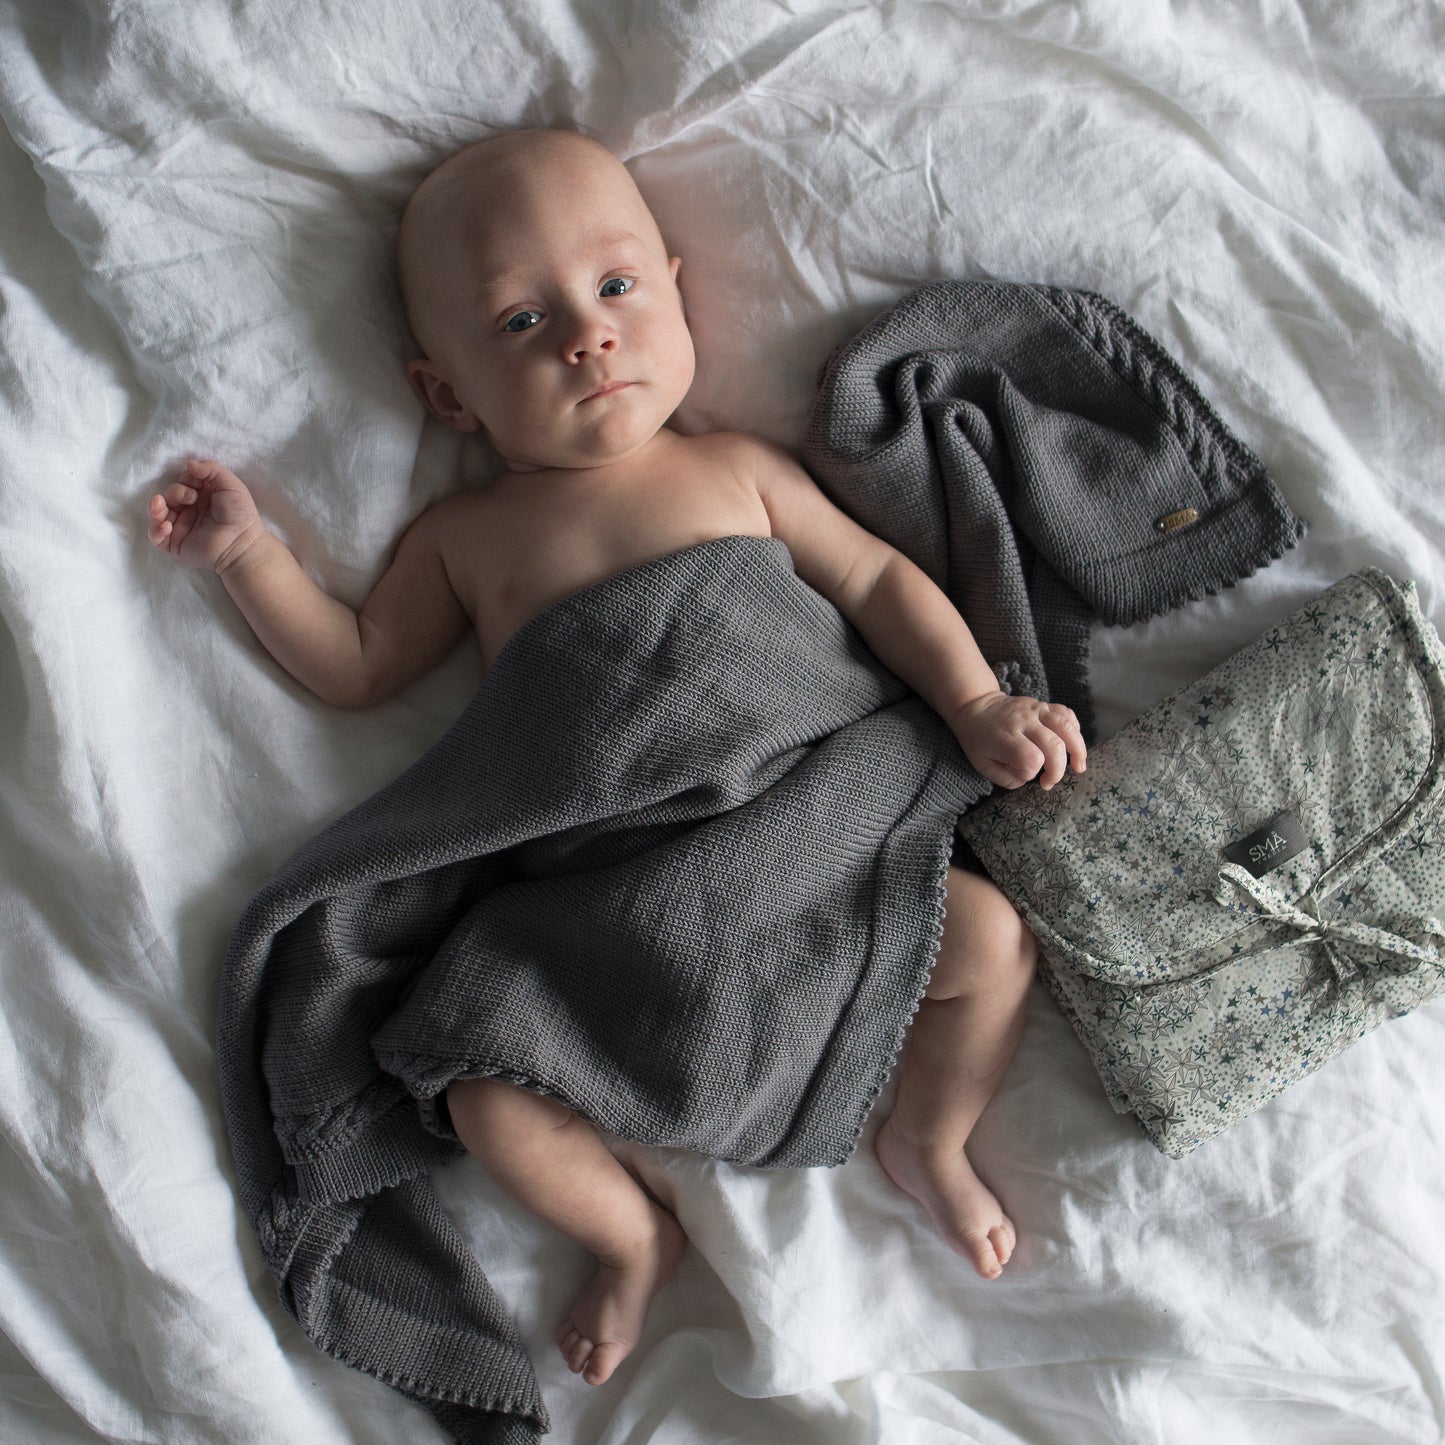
496 1109
1010 940
986 943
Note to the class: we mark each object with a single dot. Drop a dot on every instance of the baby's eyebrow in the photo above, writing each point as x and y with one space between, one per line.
608 242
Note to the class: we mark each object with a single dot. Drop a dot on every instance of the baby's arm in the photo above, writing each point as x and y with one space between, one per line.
409 624
915 631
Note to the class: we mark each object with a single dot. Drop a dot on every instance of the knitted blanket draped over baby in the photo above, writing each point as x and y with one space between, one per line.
680 861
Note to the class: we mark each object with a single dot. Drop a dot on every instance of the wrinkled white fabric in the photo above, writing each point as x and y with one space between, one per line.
196 209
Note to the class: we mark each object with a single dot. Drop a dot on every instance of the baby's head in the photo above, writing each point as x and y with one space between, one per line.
533 275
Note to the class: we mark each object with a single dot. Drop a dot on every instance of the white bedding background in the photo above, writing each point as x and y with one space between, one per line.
197 200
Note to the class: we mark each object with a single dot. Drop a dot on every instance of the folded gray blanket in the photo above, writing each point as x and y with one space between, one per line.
1044 460
680 861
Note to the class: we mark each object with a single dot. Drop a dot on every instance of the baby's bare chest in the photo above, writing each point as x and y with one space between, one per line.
542 548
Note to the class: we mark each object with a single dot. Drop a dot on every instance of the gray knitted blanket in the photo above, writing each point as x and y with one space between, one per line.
680 861
1047 463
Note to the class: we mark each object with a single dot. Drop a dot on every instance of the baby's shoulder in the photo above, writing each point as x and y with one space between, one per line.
464 509
458 525
744 453
726 443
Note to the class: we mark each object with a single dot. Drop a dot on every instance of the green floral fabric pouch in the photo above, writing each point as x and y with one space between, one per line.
1251 876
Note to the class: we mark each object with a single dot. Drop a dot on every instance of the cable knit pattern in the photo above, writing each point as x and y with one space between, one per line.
1022 445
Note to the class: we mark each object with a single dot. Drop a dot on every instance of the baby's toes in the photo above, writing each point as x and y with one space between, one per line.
984 1255
605 1359
576 1348
1003 1240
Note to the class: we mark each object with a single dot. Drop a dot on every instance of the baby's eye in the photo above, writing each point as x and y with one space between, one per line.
520 321
617 286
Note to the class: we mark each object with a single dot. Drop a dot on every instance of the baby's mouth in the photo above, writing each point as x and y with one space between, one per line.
606 390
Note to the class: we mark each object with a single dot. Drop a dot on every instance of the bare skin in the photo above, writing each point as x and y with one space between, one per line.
959 1045
550 1160
551 319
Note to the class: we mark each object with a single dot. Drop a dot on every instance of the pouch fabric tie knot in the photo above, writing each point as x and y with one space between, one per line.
1366 947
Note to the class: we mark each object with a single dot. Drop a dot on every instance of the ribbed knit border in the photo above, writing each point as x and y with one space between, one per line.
910 880
1232 541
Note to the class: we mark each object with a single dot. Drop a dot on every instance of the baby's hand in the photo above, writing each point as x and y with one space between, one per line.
207 518
1009 739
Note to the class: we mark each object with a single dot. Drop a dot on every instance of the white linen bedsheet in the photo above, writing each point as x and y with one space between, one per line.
196 206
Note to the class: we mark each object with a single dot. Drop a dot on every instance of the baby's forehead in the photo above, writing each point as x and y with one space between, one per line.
536 163
596 224
549 193
495 197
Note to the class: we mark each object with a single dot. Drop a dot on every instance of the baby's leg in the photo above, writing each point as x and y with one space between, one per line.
962 1039
547 1158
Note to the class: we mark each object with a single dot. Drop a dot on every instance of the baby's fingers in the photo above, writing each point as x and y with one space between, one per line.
1004 776
158 528
178 494
1054 755
171 516
1057 734
212 473
1013 768
1062 720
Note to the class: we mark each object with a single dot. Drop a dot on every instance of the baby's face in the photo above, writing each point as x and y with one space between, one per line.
560 327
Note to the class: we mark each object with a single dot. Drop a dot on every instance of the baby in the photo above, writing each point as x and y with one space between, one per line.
548 310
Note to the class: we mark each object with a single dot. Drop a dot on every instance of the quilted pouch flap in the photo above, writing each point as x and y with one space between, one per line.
1232 816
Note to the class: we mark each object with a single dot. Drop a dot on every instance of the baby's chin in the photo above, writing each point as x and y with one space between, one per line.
610 440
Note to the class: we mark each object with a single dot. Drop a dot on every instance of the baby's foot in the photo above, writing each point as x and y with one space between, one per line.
962 1208
606 1320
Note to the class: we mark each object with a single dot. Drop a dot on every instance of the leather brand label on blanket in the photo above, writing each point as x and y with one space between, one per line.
1267 847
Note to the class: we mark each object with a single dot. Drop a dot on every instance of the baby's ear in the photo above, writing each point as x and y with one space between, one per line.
438 397
674 264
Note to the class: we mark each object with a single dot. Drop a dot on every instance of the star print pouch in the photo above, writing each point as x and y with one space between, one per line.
1251 876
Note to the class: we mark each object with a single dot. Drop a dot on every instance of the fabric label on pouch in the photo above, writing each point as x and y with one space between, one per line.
1267 847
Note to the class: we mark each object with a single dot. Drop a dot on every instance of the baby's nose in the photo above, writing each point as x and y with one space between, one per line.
589 336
